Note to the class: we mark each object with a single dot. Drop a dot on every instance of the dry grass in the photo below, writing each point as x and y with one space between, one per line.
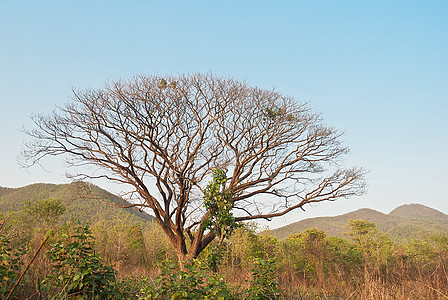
415 285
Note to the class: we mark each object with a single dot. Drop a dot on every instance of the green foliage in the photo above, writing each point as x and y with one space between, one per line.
10 264
374 244
427 249
360 229
345 254
263 246
264 285
276 113
401 224
309 253
194 282
47 210
214 257
218 202
245 244
312 263
79 198
239 247
77 271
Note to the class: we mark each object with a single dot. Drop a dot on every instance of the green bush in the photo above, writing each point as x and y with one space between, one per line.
195 282
78 272
264 285
10 264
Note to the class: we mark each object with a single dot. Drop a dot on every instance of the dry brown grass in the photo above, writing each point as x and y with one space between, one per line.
368 286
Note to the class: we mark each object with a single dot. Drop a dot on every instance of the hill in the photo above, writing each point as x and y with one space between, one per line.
416 211
402 223
82 201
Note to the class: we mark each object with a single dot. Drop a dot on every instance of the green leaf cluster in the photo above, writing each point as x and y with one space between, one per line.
264 285
10 264
218 202
47 210
275 113
77 271
374 244
195 282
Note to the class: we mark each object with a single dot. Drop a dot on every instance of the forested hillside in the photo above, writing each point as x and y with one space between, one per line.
81 201
402 224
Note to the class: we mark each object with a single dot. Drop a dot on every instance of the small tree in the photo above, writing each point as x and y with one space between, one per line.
374 245
163 136
314 250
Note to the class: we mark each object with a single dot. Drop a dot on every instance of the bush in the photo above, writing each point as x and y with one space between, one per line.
195 282
264 285
10 264
78 272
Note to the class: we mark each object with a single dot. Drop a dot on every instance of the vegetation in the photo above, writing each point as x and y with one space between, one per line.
10 264
81 201
76 270
402 224
194 282
132 260
164 136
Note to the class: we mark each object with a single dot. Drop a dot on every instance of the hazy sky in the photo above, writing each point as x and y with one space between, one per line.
377 70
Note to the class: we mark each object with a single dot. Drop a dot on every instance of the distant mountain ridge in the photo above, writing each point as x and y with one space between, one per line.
416 210
82 201
402 223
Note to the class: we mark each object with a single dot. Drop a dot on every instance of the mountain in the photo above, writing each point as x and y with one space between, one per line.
416 211
402 223
82 201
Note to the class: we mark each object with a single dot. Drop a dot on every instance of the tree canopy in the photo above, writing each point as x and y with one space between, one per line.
165 135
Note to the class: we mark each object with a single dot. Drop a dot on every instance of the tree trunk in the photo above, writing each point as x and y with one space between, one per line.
199 243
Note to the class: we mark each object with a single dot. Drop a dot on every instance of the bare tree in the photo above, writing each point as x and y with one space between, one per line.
163 136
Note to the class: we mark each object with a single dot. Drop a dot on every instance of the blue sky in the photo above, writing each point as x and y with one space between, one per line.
377 70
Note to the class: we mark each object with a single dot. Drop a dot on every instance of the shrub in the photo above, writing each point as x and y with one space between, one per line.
264 284
10 264
77 271
195 282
